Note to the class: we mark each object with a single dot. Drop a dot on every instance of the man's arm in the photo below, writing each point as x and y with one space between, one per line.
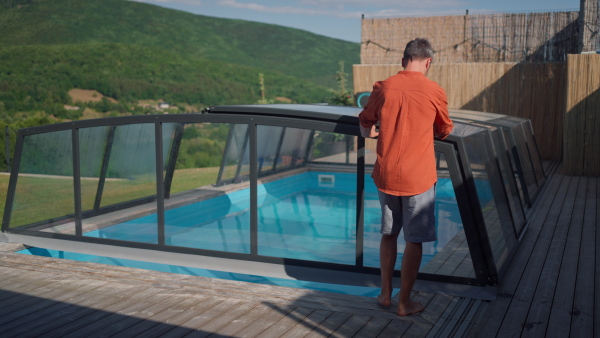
369 117
442 125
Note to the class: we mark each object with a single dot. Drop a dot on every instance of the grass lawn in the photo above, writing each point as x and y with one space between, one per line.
42 198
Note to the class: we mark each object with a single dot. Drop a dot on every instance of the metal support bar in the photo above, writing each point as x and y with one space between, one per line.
160 188
77 181
104 169
253 189
12 183
170 169
278 152
241 158
7 152
360 201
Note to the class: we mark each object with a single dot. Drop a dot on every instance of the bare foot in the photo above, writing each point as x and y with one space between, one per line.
410 309
384 301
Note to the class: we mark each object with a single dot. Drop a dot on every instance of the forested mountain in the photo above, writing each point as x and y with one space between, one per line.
290 51
34 77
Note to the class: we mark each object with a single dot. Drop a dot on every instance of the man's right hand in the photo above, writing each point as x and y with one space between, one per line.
369 132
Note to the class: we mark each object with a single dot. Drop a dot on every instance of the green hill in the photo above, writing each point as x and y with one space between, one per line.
290 51
34 77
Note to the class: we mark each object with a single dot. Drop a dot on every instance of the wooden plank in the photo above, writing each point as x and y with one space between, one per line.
329 325
239 324
280 327
582 320
76 318
176 315
396 328
560 315
373 327
87 304
309 324
140 320
264 322
471 318
224 319
351 326
462 306
41 304
132 308
194 323
436 307
442 322
176 322
539 312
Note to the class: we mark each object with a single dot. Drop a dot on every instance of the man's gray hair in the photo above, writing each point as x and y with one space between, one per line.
418 49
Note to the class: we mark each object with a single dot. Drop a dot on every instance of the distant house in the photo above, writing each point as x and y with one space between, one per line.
163 105
67 107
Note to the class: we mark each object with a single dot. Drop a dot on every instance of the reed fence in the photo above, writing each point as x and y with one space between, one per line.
589 21
581 154
498 37
530 90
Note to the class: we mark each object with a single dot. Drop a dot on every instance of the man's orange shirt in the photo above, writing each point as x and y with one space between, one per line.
410 108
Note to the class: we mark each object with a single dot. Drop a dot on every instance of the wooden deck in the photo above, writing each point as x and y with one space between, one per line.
551 288
548 290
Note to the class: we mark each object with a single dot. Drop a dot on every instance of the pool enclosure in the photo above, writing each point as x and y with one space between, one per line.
268 185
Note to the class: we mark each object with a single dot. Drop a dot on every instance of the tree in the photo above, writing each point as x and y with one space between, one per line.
342 96
263 99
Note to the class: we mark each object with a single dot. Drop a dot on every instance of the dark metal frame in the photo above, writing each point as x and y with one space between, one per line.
453 148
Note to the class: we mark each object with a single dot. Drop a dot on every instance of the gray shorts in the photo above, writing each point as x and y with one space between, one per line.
416 214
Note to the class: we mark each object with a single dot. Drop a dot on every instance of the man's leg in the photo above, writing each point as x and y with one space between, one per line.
410 268
388 251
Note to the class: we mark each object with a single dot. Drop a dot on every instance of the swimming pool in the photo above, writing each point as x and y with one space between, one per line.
309 216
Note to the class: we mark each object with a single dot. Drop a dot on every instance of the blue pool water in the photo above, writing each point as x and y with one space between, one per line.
310 216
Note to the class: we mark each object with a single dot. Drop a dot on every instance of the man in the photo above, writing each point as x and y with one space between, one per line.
410 109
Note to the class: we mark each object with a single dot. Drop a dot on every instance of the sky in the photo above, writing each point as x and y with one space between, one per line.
340 19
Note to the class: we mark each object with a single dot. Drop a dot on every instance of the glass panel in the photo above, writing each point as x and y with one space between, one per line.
309 215
491 195
449 255
510 184
269 141
199 156
168 132
525 161
44 192
92 145
333 148
516 166
132 165
293 147
131 175
198 214
236 145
